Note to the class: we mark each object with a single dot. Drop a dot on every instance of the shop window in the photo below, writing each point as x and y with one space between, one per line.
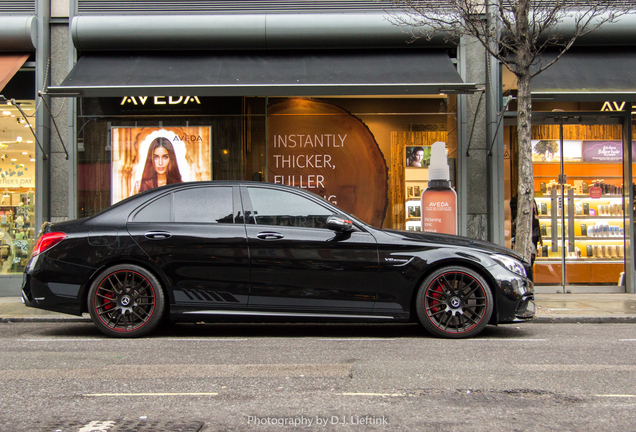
17 187
207 139
581 223
357 152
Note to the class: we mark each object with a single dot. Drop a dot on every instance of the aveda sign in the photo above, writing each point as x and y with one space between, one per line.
615 106
160 100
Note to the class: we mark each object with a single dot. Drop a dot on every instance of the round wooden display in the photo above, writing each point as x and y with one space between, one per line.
322 148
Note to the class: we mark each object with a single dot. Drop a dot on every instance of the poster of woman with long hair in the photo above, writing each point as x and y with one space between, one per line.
144 158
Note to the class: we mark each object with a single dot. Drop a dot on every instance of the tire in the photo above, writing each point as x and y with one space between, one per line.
454 302
126 301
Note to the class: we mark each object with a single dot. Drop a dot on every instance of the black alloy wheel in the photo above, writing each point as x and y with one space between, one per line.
126 301
454 302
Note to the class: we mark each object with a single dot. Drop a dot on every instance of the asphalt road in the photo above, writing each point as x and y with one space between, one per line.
567 377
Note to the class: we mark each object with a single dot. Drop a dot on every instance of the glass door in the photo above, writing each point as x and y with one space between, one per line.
578 170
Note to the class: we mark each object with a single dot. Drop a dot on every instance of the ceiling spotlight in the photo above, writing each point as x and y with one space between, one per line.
6 112
25 153
18 139
13 160
32 160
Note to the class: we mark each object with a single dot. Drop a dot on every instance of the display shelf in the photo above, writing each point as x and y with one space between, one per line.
584 217
577 196
584 238
582 260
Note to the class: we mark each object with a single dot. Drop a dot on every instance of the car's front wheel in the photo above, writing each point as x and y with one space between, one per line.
126 301
454 302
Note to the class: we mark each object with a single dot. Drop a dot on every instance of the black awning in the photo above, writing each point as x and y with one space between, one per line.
264 73
588 75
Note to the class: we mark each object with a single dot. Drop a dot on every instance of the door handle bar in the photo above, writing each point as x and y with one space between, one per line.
268 235
157 235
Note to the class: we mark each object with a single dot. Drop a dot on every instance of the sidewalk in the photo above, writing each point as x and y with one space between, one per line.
551 308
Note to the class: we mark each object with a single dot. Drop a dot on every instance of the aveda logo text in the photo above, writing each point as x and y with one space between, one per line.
615 106
160 100
188 138
438 204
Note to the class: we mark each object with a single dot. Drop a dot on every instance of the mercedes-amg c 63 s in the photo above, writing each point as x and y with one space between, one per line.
246 251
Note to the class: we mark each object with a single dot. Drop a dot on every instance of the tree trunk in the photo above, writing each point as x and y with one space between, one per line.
525 192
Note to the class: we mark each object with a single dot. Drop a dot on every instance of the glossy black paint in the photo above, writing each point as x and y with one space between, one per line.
238 269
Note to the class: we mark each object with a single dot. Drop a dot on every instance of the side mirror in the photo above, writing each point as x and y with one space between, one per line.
339 224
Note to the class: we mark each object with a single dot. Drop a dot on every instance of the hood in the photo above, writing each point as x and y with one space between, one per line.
454 240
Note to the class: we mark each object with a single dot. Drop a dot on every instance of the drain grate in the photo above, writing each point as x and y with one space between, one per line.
124 426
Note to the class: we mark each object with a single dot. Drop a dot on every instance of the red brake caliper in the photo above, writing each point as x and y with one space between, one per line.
437 294
109 304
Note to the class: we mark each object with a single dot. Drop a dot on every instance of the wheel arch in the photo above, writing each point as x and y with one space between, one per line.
128 260
472 265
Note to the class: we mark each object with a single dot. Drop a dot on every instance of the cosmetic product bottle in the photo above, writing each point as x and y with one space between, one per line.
439 200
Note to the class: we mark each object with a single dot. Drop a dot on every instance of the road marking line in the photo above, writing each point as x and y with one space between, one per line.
616 396
60 340
372 394
124 340
356 339
203 339
148 394
503 340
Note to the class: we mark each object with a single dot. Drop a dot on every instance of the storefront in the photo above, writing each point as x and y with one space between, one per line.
582 157
17 143
335 122
337 103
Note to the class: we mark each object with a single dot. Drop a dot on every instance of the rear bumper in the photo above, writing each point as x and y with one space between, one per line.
65 296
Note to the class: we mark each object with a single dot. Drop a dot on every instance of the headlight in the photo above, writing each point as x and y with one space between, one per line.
511 264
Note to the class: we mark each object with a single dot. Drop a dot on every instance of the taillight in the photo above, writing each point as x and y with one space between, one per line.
47 241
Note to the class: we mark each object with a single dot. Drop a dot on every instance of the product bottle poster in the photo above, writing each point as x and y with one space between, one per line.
439 200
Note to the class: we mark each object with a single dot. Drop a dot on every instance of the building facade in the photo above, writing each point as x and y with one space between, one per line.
325 95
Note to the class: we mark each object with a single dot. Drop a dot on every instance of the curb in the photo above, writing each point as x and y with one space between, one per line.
585 320
45 320
537 320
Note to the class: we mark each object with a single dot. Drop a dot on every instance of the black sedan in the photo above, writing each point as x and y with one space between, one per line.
246 251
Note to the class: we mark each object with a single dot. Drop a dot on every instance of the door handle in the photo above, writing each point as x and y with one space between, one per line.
571 247
554 203
268 235
157 235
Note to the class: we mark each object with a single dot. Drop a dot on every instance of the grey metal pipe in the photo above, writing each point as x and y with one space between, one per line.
281 31
225 32
18 33
621 32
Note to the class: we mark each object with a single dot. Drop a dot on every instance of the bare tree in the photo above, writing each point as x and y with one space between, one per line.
515 32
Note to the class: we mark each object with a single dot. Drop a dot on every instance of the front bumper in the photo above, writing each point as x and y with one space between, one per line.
515 296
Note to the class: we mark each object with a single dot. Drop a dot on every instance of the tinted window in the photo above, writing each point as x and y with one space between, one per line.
156 211
273 207
204 205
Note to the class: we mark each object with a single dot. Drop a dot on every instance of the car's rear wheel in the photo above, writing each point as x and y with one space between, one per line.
126 301
454 302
